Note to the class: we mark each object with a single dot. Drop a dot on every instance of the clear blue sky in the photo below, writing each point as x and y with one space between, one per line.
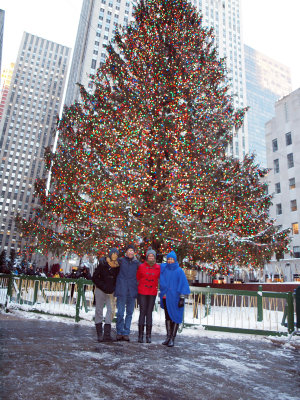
270 26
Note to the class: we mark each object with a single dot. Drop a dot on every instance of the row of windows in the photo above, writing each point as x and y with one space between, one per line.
292 185
290 163
110 4
288 141
293 207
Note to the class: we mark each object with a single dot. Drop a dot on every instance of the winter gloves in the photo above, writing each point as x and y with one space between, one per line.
181 302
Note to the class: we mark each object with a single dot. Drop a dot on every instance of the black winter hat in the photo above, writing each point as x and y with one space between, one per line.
112 251
129 246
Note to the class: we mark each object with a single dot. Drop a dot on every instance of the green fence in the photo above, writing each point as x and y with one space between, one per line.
258 312
57 296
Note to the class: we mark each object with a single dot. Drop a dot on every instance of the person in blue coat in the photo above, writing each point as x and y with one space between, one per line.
126 292
173 287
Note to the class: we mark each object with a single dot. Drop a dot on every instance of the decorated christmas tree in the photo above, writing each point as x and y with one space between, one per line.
144 157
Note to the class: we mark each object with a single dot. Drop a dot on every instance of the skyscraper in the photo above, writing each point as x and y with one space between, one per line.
5 79
266 81
97 24
225 17
2 17
32 105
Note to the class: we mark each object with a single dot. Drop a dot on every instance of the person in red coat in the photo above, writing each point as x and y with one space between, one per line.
147 277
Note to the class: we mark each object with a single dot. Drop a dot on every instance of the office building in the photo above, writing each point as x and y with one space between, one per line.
225 17
2 18
5 80
266 82
283 155
32 105
97 24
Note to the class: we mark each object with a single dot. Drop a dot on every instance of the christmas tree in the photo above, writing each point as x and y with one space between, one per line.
144 157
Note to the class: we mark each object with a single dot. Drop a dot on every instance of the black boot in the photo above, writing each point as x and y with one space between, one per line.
107 331
141 334
99 331
173 334
168 327
148 333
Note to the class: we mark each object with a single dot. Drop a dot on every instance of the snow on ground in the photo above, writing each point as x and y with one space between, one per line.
196 331
232 317
55 358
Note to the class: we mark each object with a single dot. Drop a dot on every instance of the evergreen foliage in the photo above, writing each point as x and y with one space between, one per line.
144 156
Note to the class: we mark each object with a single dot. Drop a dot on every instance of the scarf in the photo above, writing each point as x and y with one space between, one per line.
151 263
111 263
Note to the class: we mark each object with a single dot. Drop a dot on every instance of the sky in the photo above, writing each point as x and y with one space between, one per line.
269 26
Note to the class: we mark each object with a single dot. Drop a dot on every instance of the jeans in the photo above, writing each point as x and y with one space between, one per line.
124 303
146 303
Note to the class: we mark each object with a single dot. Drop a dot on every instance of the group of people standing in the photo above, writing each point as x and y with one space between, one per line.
126 278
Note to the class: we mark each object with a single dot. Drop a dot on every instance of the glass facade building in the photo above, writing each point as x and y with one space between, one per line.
266 81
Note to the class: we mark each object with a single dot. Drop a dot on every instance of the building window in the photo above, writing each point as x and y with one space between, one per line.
292 183
293 205
296 251
288 138
276 166
290 160
278 209
295 228
277 187
93 65
274 144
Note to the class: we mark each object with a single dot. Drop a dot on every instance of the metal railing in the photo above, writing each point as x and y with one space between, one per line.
57 296
256 312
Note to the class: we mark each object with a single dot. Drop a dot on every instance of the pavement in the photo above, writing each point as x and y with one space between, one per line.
45 359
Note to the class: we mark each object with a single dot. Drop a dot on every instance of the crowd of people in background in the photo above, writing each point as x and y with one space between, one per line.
31 270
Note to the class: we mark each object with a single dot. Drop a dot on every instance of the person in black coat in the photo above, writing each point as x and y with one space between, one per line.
104 278
84 273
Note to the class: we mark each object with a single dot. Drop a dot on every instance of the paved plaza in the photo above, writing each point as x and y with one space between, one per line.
50 360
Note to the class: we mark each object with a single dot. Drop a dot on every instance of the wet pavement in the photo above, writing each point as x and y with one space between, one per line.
42 359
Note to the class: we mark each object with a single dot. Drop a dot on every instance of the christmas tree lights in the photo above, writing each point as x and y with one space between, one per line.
144 157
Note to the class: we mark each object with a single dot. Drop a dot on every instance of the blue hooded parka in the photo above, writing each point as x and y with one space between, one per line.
173 283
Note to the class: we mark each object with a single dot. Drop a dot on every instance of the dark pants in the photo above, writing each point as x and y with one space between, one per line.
146 303
167 316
